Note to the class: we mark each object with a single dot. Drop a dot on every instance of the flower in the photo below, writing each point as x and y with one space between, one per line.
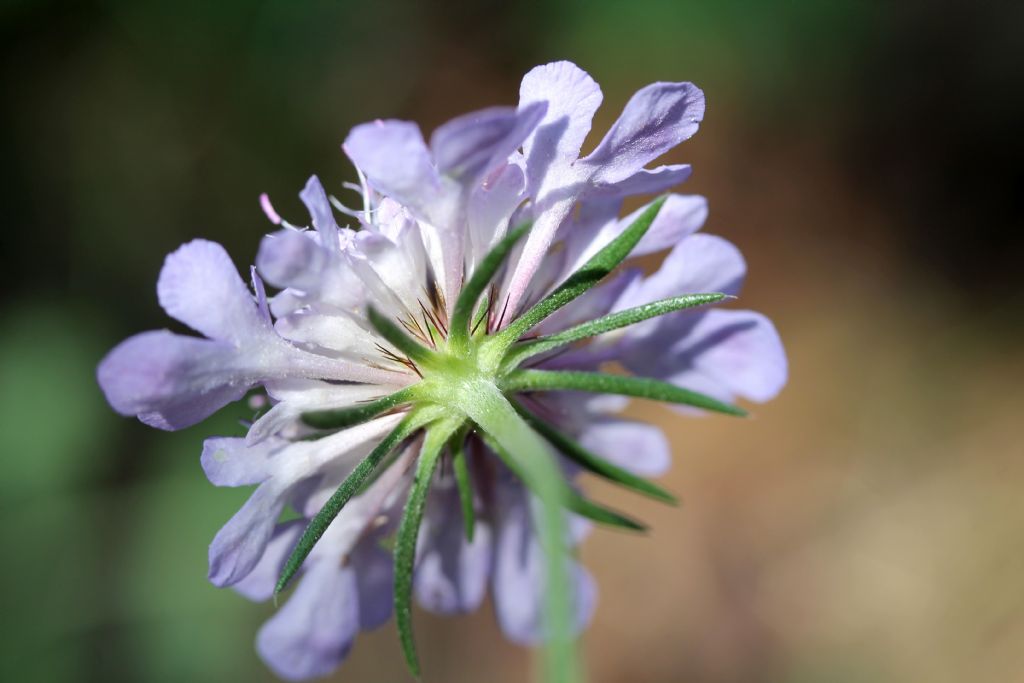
422 367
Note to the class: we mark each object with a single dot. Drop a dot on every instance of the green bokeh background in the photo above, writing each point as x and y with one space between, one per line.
866 526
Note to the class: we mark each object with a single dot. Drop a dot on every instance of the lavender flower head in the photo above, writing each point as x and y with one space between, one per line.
430 402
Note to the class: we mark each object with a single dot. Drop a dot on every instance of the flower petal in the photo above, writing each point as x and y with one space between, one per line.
297 396
680 217
315 199
291 258
170 381
644 181
335 331
553 179
375 572
472 145
700 263
315 629
490 207
518 580
298 260
572 97
259 584
738 351
397 163
238 546
451 573
200 286
656 119
228 461
637 447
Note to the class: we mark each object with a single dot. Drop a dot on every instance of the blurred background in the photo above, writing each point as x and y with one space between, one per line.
866 526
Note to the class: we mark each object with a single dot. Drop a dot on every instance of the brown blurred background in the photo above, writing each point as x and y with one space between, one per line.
866 526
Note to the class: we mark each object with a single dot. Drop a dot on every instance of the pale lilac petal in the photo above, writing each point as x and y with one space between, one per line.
315 199
472 145
259 584
170 381
740 351
679 217
551 151
393 269
375 575
238 546
592 225
644 181
200 286
656 119
261 295
297 260
228 461
314 631
297 396
518 580
592 304
339 332
637 447
396 161
451 573
699 264
572 97
291 258
490 207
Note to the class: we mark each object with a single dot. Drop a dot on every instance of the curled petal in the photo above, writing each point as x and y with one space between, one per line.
315 199
200 286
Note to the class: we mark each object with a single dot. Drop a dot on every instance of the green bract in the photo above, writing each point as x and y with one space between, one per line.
469 382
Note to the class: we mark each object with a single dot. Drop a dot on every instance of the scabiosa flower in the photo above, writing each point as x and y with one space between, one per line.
429 397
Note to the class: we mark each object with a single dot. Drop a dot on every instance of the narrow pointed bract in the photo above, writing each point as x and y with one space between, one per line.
434 368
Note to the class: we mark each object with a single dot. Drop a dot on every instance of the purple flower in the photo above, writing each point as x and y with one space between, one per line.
414 359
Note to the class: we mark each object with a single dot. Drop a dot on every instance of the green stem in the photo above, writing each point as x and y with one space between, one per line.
485 405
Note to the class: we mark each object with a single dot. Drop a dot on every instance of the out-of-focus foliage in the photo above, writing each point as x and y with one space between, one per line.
866 526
